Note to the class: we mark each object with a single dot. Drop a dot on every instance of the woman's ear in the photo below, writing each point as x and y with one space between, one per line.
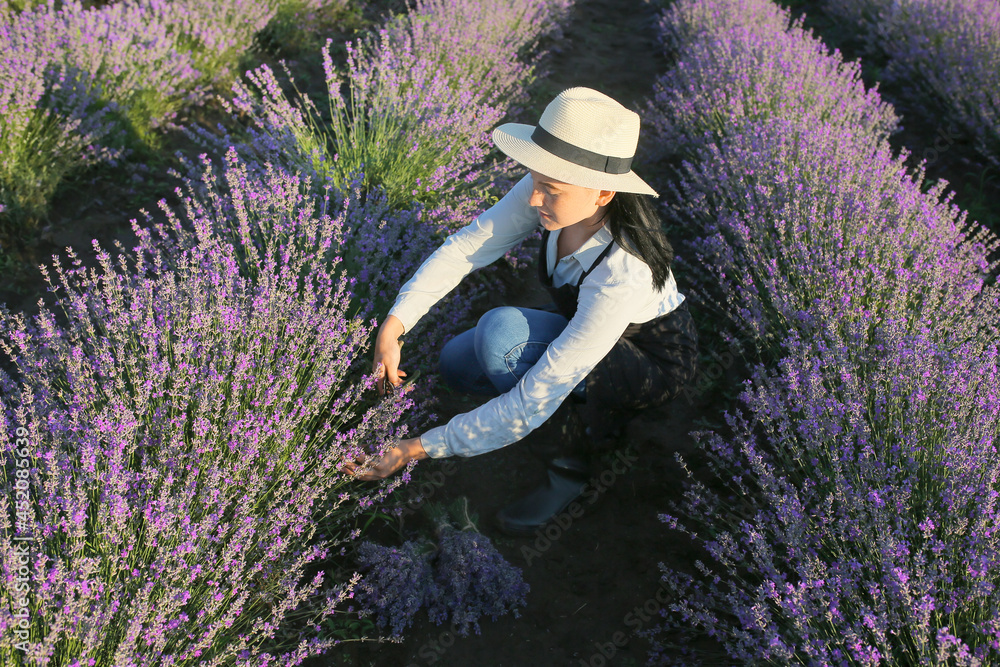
604 197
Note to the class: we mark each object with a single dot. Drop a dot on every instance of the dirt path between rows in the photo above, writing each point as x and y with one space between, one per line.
594 584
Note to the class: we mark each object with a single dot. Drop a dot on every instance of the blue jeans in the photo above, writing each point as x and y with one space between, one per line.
490 358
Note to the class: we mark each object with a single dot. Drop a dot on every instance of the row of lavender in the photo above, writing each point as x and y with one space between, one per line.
80 84
411 114
853 515
171 491
944 56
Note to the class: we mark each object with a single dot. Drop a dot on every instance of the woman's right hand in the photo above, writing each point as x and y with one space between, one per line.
387 354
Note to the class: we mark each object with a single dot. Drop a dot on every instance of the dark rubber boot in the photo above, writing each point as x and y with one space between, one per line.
561 444
525 516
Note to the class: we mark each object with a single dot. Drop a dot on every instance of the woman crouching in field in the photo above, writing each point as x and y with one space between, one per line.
618 337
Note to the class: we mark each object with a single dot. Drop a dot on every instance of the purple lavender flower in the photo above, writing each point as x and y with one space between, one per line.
51 120
791 193
398 582
459 578
413 108
73 77
750 69
796 225
472 580
943 54
187 424
850 516
861 517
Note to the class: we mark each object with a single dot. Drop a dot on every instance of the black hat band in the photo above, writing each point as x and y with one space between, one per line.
580 156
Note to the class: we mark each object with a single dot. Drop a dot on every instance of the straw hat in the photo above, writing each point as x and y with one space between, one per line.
583 138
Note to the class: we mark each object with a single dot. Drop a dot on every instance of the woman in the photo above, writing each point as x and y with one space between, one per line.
620 337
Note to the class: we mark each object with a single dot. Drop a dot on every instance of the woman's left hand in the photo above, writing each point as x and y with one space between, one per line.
394 459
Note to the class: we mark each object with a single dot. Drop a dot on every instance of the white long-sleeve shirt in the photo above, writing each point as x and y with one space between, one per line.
616 293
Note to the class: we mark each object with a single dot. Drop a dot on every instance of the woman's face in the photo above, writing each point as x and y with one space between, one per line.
562 205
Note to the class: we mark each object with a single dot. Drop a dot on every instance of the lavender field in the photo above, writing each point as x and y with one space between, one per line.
247 185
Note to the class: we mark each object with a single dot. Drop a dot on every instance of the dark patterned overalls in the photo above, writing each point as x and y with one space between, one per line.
648 366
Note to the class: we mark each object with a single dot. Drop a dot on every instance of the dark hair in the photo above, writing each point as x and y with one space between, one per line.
636 227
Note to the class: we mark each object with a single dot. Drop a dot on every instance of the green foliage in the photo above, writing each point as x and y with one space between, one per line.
35 163
29 173
366 133
19 5
299 28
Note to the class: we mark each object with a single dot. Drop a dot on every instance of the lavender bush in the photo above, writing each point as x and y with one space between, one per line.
186 425
795 209
799 225
860 522
728 77
217 35
374 244
51 121
132 57
944 55
78 83
74 80
149 57
377 245
851 515
682 24
50 127
495 43
412 110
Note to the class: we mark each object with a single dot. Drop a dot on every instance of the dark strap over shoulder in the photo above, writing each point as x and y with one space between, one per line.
566 296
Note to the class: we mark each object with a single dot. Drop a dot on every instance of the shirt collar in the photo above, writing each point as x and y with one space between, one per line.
587 253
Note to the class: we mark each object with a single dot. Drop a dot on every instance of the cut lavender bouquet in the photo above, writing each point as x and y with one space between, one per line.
459 579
